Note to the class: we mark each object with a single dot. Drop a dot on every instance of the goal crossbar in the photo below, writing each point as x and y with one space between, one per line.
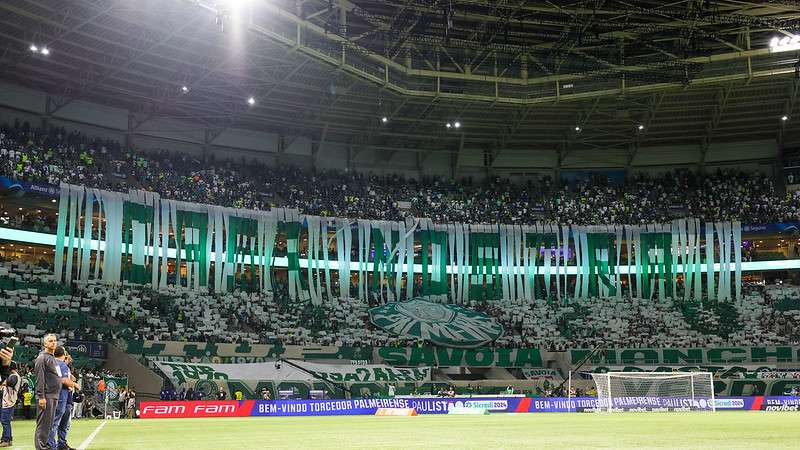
654 391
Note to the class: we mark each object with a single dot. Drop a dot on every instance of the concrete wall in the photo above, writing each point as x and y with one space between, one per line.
146 382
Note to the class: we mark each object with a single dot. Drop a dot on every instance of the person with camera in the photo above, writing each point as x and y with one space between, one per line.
10 390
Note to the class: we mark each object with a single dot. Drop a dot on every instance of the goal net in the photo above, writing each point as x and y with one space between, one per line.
654 391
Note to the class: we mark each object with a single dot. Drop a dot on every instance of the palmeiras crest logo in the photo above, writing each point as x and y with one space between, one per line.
445 325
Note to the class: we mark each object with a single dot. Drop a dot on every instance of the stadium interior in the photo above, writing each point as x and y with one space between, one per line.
307 200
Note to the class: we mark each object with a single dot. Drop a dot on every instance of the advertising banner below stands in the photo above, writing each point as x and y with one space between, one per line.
18 188
542 374
92 349
244 408
180 373
365 372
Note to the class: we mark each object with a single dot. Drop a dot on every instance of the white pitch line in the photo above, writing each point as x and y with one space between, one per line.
91 437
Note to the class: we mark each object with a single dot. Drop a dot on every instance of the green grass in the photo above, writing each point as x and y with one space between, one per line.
722 430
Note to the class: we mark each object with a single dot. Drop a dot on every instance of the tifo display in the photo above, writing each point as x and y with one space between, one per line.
468 262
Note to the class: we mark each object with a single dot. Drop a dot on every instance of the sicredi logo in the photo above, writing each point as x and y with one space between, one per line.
491 405
728 403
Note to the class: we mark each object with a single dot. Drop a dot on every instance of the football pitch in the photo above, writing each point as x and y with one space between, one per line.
722 430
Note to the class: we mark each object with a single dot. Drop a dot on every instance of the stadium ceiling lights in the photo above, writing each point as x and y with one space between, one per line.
251 101
640 127
784 118
184 89
43 50
384 119
577 129
784 44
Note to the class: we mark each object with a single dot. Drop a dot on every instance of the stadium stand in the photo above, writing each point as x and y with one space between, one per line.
59 156
328 208
767 316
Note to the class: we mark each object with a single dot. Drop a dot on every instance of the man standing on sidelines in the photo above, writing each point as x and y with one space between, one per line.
27 399
59 430
48 389
66 418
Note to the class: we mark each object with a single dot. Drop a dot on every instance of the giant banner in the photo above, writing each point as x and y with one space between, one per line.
266 408
339 373
300 377
181 373
446 325
215 353
678 356
454 357
137 236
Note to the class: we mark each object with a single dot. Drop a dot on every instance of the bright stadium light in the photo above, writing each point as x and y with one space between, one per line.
640 127
448 125
251 101
784 44
384 119
45 51
184 89
577 129
784 118
34 48
457 124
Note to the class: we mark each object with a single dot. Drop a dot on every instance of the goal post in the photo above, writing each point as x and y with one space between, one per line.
654 391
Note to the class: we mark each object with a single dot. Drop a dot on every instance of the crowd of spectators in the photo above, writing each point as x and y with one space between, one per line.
91 380
55 156
767 315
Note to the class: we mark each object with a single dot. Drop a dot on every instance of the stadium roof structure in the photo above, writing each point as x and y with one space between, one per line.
522 75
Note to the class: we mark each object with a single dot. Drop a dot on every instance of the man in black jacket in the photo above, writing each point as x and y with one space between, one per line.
48 387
